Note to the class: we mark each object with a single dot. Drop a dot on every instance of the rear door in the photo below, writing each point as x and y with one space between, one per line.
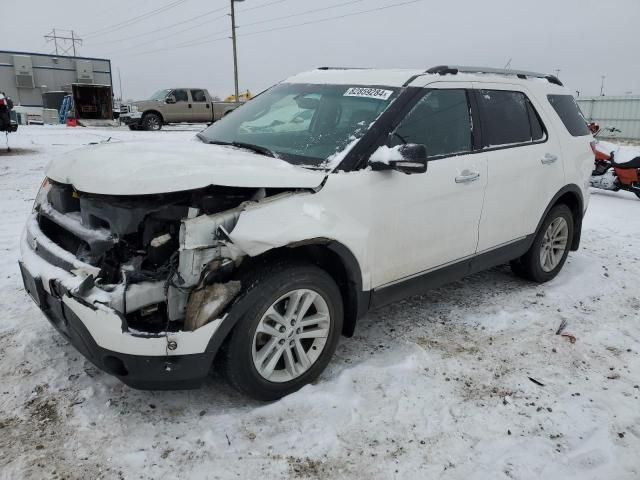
524 163
431 219
200 106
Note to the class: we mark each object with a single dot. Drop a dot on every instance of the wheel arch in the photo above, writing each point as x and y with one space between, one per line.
337 260
571 196
157 112
330 255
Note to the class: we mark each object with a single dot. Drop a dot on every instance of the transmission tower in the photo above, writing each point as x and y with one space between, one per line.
64 42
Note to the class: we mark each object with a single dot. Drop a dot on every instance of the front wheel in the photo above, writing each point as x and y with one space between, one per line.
550 248
151 121
288 334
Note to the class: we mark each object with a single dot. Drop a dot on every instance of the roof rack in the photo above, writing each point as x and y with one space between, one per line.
343 68
454 69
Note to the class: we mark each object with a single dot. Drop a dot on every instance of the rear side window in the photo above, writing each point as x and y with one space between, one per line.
508 119
568 111
441 121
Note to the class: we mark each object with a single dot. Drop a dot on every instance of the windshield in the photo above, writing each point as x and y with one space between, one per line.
160 95
301 123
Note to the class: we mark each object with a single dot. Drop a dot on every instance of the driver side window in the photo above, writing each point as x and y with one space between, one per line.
180 95
441 121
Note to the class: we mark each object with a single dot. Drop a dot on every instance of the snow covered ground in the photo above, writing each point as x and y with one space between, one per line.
437 386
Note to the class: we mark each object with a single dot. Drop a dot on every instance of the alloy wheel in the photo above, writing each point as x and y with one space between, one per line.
554 244
291 335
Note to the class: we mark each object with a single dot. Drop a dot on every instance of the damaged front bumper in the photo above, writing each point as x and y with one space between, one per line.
91 319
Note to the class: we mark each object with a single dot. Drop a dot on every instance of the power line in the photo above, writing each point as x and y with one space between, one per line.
261 6
188 43
162 29
353 14
203 40
315 10
126 23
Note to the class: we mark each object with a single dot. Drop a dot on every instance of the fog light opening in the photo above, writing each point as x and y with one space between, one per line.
115 366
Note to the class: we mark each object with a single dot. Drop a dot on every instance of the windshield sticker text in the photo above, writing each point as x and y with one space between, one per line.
368 93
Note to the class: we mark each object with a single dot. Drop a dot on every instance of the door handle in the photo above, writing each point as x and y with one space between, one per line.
548 158
467 177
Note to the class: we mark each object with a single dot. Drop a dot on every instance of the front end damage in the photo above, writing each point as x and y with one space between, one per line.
139 284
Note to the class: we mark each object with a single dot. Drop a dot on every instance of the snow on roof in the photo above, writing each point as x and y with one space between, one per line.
398 77
356 76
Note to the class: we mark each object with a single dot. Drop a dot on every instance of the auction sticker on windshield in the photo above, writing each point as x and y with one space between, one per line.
368 93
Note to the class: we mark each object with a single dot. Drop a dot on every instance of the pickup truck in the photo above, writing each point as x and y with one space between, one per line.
174 105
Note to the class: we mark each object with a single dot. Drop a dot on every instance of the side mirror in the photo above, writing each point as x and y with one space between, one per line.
593 127
408 158
170 99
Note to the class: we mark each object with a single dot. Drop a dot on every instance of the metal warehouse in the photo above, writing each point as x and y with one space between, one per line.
622 112
25 77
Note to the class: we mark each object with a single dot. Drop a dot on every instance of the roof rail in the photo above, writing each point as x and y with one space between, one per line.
343 68
454 69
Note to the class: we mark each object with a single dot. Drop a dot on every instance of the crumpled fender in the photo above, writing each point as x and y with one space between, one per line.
333 213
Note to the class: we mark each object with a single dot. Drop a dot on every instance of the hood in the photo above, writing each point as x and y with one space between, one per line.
142 168
144 104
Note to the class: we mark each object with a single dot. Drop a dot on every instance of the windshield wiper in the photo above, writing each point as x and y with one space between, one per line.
248 146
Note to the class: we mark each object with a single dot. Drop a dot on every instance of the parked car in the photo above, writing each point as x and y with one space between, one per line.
174 105
332 193
6 123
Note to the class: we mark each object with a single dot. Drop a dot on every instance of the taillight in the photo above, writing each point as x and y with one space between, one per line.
3 101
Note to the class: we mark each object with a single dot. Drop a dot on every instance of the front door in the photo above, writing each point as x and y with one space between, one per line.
178 110
430 219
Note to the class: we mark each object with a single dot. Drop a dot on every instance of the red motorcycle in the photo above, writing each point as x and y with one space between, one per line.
616 168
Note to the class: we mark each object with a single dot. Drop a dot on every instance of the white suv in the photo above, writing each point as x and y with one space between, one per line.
334 192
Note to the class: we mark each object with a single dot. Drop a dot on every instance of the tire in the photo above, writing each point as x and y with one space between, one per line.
268 292
538 266
151 121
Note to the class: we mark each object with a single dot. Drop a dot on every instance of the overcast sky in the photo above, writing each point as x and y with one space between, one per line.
583 38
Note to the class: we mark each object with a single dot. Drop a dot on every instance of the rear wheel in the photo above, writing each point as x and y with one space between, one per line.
288 334
151 121
550 247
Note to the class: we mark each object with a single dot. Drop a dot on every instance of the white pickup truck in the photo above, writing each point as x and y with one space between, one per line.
174 105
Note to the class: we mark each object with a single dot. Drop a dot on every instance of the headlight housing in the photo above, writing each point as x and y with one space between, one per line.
41 196
133 109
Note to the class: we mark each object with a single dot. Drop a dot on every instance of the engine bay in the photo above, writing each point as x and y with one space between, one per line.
137 243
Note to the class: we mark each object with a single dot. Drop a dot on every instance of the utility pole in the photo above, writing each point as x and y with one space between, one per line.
602 85
235 51
120 82
63 44
55 40
73 43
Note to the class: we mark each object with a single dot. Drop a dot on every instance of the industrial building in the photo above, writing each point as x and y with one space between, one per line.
26 76
621 112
